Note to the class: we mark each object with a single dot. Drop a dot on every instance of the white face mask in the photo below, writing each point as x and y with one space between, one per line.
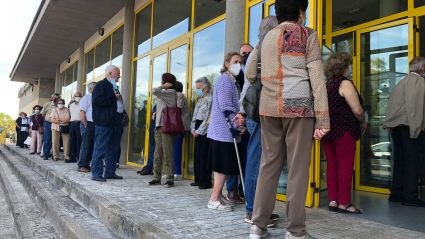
37 111
235 69
77 99
60 106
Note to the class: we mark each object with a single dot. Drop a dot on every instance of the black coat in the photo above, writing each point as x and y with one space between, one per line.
104 103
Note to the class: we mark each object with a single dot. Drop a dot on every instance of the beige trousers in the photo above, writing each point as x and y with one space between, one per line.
56 135
284 138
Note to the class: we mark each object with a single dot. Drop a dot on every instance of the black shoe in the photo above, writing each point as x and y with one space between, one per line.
169 184
44 158
118 165
393 198
115 177
205 186
154 182
194 184
38 153
70 161
414 203
32 153
100 179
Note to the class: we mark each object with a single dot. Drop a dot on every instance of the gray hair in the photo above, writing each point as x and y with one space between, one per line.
91 85
55 94
266 25
416 64
205 83
110 69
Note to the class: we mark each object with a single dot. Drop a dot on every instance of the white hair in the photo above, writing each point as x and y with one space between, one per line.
91 85
266 25
416 64
110 69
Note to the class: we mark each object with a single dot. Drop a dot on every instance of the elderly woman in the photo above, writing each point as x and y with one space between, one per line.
199 128
164 142
36 135
222 153
22 124
182 104
293 109
347 118
60 119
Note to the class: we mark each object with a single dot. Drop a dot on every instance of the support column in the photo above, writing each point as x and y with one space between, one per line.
58 79
235 25
127 62
80 72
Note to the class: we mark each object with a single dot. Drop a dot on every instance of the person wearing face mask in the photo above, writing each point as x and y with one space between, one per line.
74 128
22 123
47 111
293 111
222 153
36 125
60 127
199 128
234 189
404 116
105 119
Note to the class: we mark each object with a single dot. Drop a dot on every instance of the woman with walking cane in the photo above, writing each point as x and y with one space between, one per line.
223 154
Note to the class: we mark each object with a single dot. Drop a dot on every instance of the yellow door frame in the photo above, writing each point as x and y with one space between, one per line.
411 53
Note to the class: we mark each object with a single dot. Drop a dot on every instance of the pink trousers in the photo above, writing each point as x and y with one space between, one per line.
36 137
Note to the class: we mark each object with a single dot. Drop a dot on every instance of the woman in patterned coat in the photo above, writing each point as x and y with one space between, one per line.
293 109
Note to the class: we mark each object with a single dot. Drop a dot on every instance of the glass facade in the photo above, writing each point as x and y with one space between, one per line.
206 10
255 18
117 46
142 43
102 57
178 64
69 82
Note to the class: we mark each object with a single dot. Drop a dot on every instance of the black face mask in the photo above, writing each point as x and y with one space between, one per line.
55 101
245 59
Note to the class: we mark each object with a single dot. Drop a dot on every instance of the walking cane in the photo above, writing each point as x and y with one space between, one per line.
226 114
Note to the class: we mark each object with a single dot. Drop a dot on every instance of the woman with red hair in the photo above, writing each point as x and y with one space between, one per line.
164 142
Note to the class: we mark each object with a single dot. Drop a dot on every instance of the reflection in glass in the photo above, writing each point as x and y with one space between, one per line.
178 64
208 54
69 75
344 43
207 10
159 68
171 20
62 83
141 78
419 3
117 46
103 56
422 35
347 14
74 83
255 18
89 64
384 62
142 43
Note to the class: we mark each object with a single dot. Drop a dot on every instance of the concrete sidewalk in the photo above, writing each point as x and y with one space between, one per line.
181 211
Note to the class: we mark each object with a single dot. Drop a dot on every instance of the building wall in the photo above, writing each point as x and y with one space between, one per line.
37 95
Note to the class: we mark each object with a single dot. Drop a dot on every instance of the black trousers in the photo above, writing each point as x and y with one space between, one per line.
202 170
87 145
18 131
22 137
408 161
75 135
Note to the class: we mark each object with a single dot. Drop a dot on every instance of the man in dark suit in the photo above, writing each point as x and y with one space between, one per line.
104 103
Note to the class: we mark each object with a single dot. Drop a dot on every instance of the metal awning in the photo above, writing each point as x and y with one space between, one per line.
57 29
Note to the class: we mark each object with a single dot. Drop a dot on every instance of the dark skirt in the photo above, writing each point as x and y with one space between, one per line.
223 157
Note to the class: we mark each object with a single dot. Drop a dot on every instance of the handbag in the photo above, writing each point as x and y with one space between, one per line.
125 119
251 102
172 120
40 128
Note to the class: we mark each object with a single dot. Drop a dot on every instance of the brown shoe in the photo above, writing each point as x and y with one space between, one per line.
233 196
84 170
145 172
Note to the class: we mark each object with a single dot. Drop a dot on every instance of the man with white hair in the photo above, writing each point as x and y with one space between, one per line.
404 115
87 130
104 103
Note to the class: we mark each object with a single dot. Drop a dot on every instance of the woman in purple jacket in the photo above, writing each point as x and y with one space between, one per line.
222 155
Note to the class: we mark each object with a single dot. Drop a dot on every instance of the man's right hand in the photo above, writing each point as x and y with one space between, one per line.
118 96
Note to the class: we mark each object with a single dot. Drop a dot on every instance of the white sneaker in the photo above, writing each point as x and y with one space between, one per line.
289 236
178 177
257 233
216 205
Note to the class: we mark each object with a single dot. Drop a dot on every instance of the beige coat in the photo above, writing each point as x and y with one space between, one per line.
406 105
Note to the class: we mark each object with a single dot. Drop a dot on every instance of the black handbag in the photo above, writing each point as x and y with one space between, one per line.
251 102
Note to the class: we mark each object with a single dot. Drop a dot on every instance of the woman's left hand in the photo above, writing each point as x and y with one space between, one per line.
240 120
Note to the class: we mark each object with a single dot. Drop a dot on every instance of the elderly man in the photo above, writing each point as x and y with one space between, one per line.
104 103
74 128
404 115
87 130
47 110
234 191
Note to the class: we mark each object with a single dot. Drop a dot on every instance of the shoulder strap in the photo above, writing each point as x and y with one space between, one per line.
258 80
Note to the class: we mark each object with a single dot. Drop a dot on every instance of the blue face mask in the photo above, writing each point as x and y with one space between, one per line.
33 113
114 84
157 101
200 93
350 72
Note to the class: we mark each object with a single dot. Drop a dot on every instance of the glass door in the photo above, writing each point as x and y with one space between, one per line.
383 56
